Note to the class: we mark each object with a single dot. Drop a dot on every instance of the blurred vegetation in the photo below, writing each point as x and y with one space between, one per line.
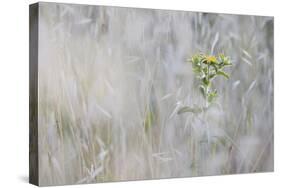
111 82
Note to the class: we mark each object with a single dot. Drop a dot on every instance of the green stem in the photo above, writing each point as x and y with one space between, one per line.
207 88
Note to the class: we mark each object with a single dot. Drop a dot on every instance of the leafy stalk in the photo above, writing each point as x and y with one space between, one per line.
207 68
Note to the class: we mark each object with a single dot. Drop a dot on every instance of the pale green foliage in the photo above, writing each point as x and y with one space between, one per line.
207 68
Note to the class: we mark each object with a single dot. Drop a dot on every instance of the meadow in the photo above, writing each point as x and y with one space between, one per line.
112 80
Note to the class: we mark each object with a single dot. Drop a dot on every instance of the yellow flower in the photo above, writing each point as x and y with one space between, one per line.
211 59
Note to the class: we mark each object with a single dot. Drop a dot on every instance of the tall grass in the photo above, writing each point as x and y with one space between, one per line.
111 81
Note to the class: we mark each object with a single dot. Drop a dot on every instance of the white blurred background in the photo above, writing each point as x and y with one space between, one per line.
14 95
112 79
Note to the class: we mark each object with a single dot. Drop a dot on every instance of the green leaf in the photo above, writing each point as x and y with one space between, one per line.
227 64
206 82
196 70
215 67
189 109
212 96
205 70
212 76
222 73
202 90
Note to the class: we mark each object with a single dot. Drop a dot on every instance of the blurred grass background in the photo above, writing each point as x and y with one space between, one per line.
112 79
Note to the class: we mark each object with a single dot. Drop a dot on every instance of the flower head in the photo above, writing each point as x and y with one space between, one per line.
211 59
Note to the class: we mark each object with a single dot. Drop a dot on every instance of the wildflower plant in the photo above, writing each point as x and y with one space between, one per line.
207 68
